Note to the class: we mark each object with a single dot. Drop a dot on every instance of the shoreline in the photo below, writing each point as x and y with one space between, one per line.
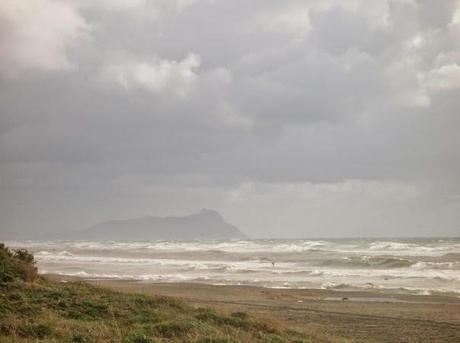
352 294
365 316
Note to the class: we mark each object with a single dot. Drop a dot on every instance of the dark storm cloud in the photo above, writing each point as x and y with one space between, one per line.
117 108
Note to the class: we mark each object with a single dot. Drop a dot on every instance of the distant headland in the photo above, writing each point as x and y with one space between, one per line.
206 224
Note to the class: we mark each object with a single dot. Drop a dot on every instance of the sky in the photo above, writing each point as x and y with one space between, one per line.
295 118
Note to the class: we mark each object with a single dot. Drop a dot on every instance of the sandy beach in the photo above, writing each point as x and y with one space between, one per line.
341 316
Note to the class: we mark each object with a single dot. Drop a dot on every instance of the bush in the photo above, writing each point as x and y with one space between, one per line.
18 264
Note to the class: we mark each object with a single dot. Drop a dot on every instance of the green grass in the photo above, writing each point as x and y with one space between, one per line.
49 311
78 312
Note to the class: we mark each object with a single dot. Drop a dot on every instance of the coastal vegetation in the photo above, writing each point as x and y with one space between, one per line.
36 309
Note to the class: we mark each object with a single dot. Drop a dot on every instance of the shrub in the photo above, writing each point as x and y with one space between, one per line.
17 264
24 256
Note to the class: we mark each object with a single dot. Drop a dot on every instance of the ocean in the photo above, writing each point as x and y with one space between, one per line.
415 266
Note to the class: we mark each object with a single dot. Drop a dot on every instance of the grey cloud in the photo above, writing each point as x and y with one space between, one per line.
359 93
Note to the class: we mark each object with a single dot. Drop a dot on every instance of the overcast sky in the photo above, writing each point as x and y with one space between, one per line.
309 118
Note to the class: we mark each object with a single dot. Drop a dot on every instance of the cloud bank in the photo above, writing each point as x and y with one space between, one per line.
294 118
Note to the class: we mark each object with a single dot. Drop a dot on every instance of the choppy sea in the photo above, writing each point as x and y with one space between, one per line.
417 266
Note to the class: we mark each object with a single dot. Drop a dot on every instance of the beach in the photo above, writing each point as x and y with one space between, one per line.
339 316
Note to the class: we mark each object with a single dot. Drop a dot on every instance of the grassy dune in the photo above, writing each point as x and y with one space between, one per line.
36 309
78 312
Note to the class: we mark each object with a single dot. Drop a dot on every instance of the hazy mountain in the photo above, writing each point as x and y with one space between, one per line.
207 224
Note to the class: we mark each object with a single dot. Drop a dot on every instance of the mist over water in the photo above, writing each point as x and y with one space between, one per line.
419 266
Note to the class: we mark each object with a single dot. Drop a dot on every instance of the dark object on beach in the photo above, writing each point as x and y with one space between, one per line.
273 263
345 299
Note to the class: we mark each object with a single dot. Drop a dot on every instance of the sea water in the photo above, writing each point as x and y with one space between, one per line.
418 266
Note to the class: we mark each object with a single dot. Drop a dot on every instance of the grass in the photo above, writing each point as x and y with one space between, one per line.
78 312
40 310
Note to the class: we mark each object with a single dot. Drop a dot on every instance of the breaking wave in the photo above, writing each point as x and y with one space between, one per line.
406 265
370 262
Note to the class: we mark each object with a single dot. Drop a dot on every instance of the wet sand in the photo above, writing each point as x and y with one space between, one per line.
340 316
